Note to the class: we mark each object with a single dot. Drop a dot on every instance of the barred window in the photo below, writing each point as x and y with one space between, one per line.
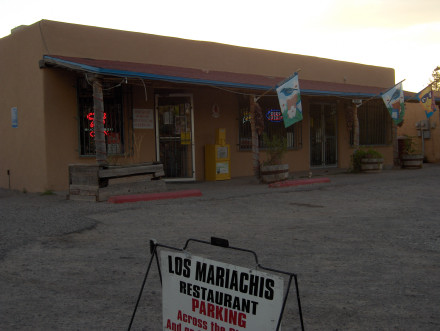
375 123
113 118
273 125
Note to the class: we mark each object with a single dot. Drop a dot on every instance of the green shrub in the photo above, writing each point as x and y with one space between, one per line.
410 145
276 148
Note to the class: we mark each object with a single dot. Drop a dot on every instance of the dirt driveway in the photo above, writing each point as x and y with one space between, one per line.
365 247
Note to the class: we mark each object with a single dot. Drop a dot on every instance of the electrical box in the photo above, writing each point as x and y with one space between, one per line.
218 159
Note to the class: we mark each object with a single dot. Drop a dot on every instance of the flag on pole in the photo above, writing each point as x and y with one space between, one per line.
426 98
395 103
290 101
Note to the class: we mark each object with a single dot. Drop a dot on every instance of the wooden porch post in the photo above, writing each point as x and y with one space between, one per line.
98 122
396 160
255 149
355 127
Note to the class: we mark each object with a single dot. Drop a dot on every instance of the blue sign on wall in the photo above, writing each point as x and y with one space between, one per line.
14 117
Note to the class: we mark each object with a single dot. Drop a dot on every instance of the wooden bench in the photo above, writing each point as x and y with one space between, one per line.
98 183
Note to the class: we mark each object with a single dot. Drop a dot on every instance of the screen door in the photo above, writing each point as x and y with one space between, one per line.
323 135
175 135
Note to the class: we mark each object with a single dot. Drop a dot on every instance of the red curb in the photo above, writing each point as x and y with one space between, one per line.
154 196
300 182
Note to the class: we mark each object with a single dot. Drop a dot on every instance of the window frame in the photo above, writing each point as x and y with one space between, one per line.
375 124
114 122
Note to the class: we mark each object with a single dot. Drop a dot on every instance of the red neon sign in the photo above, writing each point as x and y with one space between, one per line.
91 117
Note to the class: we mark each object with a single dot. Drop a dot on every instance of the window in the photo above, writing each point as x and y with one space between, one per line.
113 118
273 125
375 124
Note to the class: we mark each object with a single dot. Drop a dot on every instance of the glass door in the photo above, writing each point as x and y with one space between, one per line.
174 136
323 135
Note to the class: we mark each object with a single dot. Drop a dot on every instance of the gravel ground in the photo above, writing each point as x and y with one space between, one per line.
365 247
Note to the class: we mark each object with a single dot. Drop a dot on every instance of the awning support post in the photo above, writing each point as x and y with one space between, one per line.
355 127
98 121
255 148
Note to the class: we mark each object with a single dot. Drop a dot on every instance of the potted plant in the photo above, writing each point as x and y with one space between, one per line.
411 157
273 170
367 160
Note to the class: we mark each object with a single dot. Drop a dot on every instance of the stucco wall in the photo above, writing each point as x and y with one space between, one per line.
144 138
99 43
22 149
61 115
415 113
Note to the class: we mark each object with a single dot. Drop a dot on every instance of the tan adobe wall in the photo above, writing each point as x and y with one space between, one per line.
415 113
91 42
61 126
22 149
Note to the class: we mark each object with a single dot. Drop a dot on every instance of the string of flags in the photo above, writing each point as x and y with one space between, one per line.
395 102
289 98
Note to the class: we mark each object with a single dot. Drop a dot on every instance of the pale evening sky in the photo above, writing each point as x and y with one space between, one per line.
401 34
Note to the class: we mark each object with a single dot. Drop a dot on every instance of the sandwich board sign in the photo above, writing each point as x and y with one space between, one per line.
203 294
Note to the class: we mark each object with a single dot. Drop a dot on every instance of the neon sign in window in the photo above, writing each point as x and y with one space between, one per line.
111 118
274 115
91 117
246 117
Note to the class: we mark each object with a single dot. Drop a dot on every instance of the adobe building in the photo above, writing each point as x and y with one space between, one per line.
164 99
424 131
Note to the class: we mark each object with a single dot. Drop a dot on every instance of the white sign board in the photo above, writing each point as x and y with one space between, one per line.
202 294
143 119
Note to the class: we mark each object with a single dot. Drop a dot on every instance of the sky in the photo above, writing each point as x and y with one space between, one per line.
400 34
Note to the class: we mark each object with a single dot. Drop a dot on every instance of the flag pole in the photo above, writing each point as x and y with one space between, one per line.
274 87
376 95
